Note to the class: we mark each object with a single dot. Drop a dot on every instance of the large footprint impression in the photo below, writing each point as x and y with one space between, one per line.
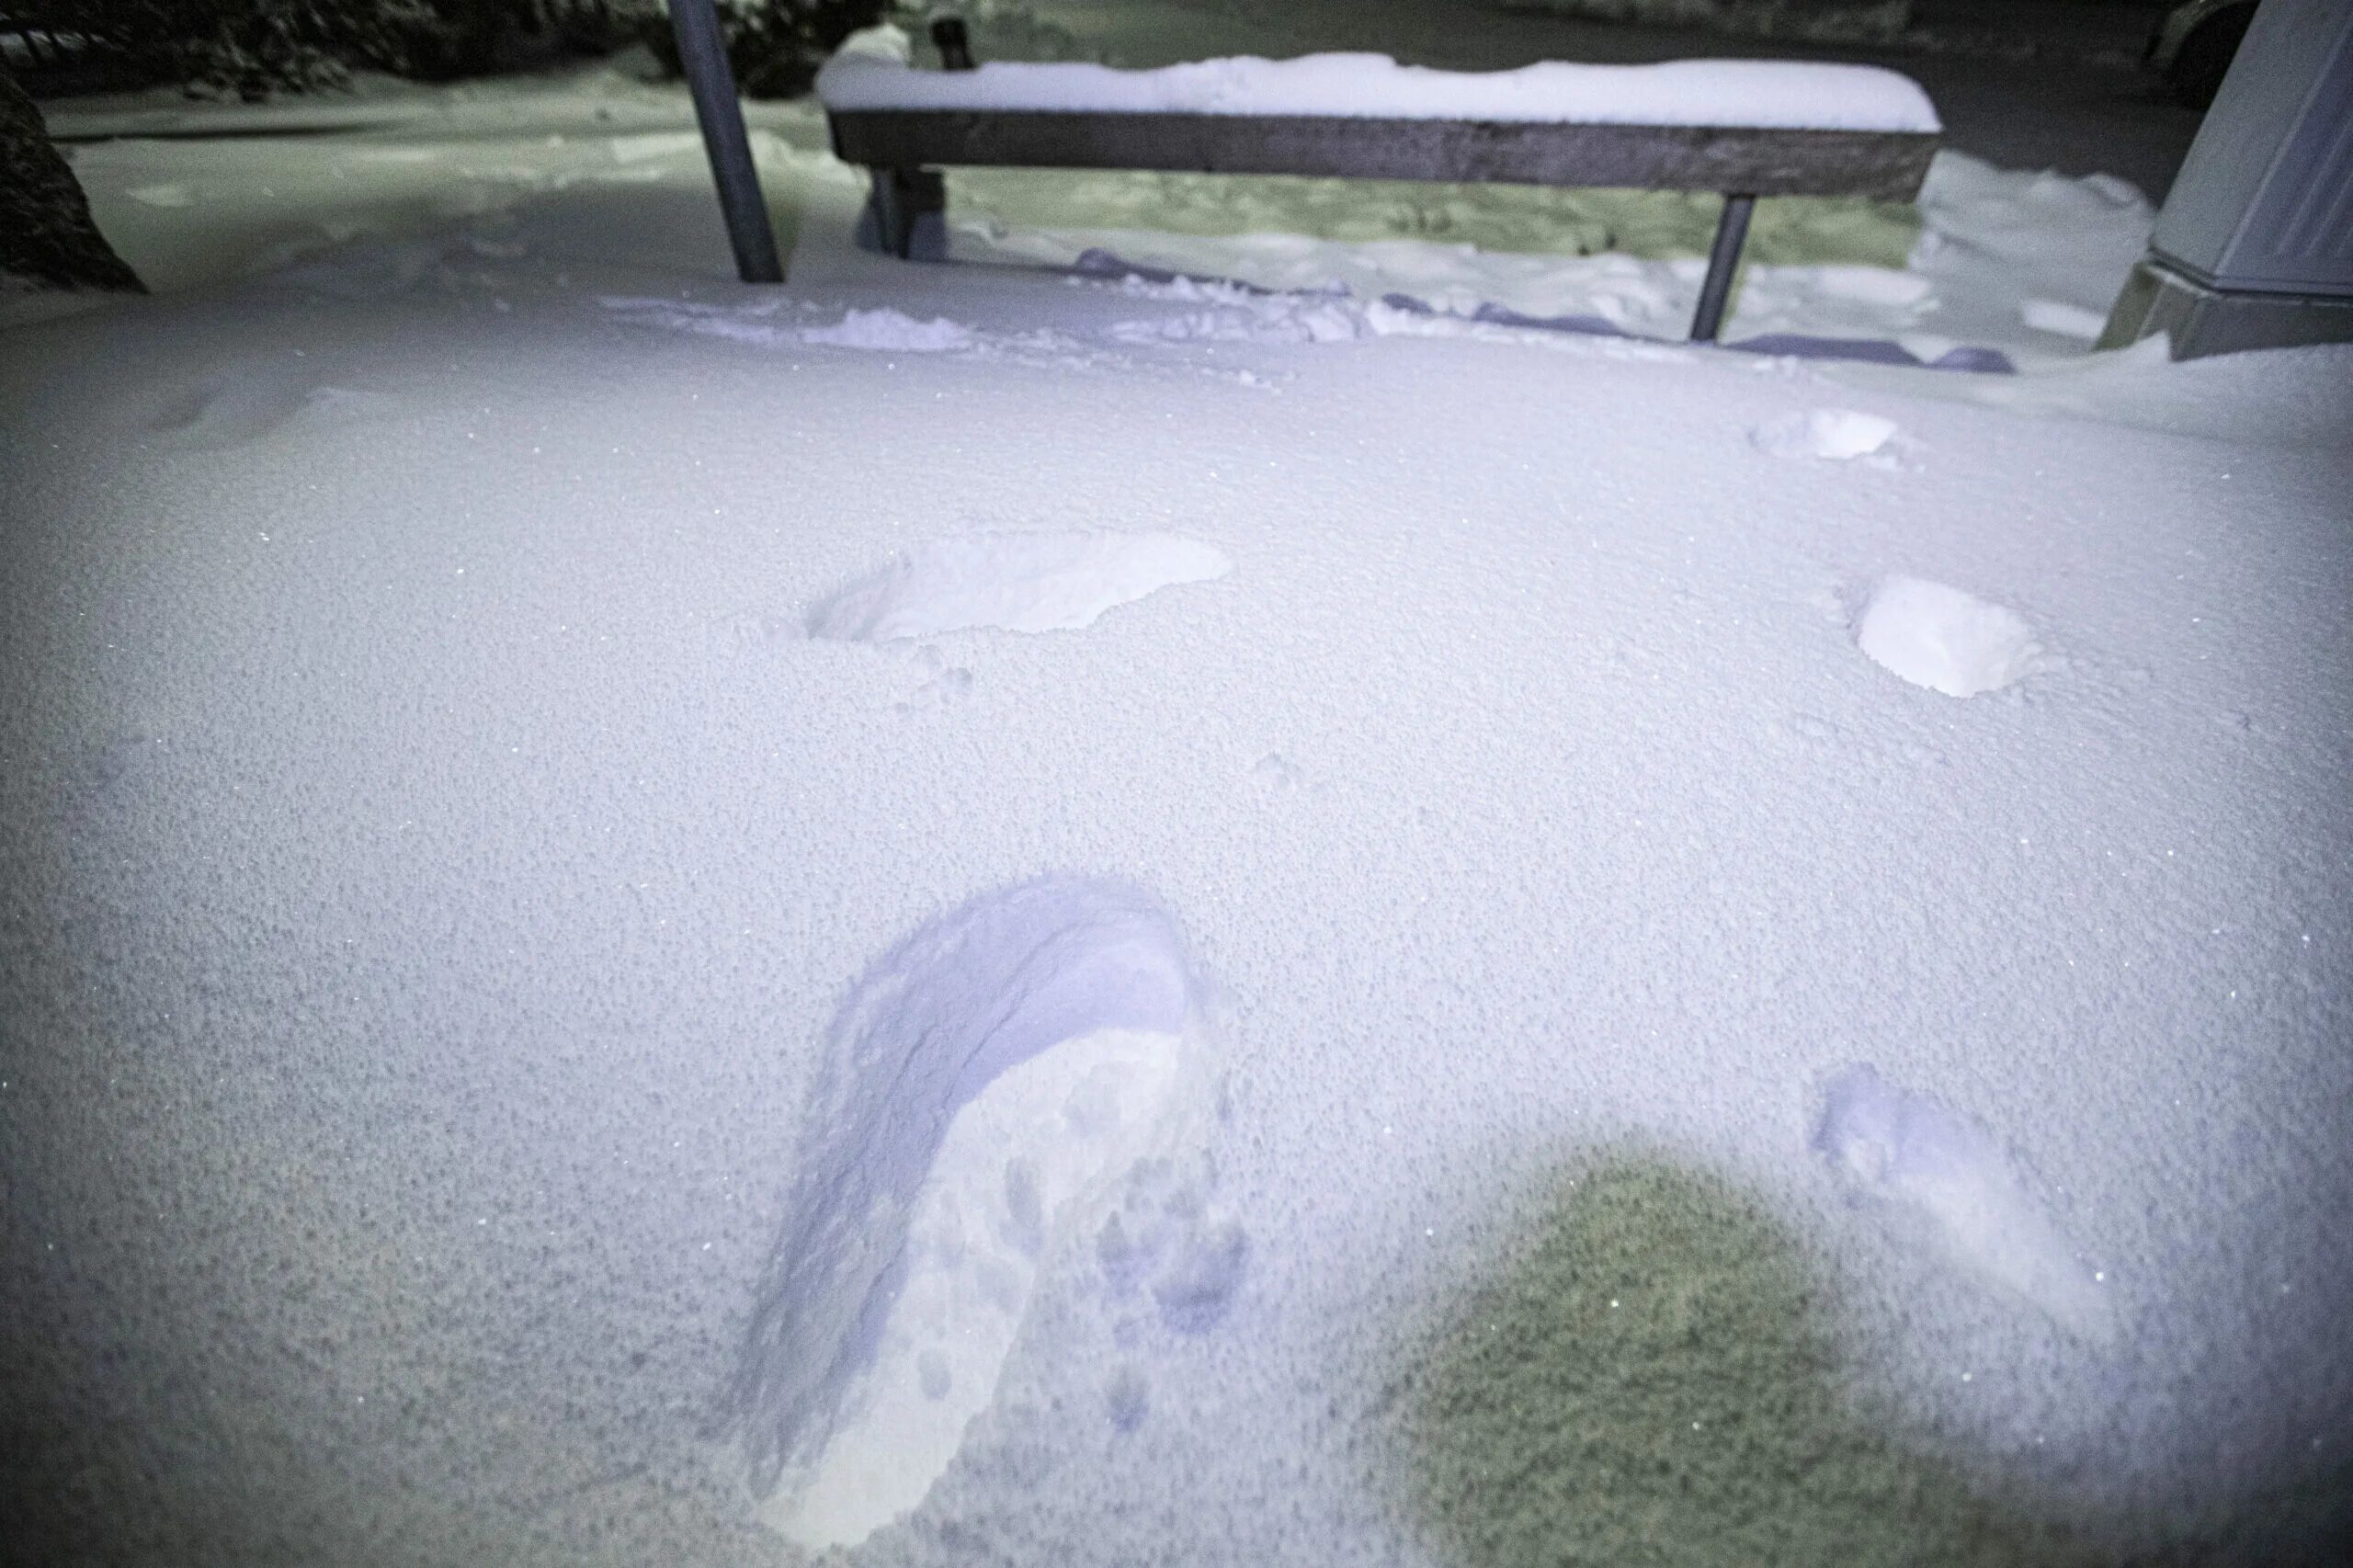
1003 1088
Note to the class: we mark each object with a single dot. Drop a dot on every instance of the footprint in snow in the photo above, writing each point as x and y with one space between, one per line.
250 400
1012 582
1277 774
1023 1089
944 686
1943 1179
1831 435
1945 640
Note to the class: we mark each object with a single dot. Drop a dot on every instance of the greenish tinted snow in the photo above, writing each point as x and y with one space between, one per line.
1649 1382
1795 231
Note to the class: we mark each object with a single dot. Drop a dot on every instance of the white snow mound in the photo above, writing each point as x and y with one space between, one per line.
891 331
1040 581
1945 640
1950 1180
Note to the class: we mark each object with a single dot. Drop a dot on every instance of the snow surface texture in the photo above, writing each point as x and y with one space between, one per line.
1053 1030
1057 582
1945 640
870 72
1917 1158
435 855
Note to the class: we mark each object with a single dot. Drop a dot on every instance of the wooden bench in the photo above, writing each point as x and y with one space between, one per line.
902 148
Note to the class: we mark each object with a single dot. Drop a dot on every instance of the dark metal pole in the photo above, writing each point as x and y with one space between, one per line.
1723 260
712 83
949 36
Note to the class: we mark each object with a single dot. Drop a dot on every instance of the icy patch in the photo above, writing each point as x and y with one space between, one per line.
1046 582
1013 1087
891 331
1945 640
1947 1180
1833 434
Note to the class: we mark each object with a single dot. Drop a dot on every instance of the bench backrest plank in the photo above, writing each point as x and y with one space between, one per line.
1877 164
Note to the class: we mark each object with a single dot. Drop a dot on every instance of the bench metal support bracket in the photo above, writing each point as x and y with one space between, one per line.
1723 260
902 195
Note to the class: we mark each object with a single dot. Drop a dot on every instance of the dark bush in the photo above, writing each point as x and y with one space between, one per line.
776 46
252 48
46 235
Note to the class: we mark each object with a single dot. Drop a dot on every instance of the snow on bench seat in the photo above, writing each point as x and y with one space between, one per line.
1762 94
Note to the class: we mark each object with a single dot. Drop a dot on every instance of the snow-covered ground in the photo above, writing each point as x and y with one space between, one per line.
982 909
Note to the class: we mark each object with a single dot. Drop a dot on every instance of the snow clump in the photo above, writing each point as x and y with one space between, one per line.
893 332
1835 435
1945 640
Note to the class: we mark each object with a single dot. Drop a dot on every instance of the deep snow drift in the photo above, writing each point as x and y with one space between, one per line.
1000 912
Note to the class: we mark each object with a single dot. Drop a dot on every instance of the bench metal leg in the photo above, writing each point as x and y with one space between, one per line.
1723 260
712 82
902 195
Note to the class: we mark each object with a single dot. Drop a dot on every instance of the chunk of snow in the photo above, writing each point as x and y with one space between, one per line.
1837 434
1775 94
1944 639
893 330
1041 582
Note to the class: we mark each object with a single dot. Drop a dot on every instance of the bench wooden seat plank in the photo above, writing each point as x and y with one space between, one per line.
1877 164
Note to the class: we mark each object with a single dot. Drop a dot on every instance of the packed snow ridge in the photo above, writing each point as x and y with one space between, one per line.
1041 582
870 72
1024 1086
1945 640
